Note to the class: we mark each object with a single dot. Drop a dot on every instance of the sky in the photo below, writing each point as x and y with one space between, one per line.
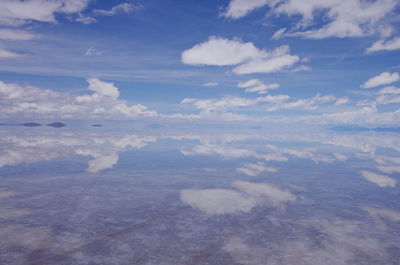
258 61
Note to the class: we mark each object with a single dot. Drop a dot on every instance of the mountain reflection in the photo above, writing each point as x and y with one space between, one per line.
164 196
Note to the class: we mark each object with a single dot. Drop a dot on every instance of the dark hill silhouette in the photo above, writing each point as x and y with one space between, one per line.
56 124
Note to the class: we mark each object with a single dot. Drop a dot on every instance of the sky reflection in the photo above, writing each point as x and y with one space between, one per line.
169 196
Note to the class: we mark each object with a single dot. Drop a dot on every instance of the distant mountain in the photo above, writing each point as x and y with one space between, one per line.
97 125
56 124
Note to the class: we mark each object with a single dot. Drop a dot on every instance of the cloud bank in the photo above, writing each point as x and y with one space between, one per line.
27 101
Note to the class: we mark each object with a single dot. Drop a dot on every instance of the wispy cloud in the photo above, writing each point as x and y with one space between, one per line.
257 86
342 19
120 8
384 45
384 78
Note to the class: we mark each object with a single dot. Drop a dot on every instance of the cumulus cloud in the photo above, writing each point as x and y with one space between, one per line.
257 86
384 78
103 88
19 12
353 18
222 52
378 179
28 101
384 45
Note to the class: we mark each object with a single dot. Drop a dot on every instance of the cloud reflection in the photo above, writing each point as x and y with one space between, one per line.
244 197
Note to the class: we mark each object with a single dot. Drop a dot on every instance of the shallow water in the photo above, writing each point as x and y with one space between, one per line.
165 195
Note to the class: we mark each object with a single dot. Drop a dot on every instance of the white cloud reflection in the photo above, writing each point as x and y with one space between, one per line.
244 197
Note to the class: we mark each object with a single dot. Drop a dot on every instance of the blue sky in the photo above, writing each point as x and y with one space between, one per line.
238 60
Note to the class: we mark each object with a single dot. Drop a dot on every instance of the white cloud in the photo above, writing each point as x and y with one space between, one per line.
27 101
240 8
378 179
5 54
13 34
222 52
219 51
278 34
92 51
384 78
232 102
387 99
211 84
342 101
85 19
103 88
18 12
269 65
389 90
306 103
258 86
384 45
279 59
301 68
120 8
255 169
351 18
364 116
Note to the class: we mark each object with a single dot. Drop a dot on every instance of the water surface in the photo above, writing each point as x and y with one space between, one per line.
164 195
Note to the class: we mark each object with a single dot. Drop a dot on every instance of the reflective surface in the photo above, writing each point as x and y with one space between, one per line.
164 195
